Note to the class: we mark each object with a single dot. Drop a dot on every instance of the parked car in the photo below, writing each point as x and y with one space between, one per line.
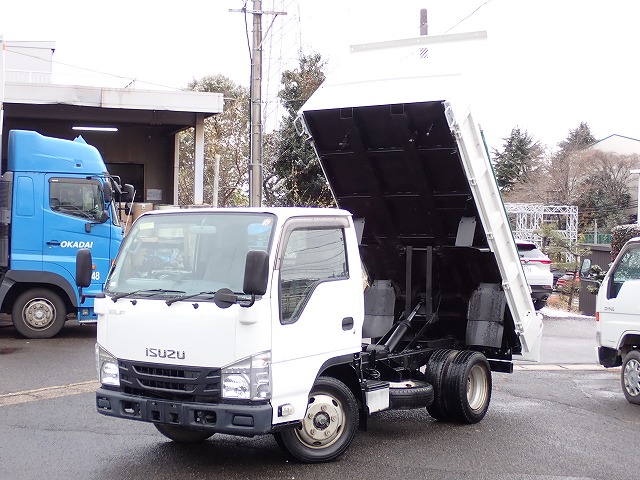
564 283
537 270
557 274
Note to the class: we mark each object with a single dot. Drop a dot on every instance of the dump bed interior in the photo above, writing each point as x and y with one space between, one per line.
400 170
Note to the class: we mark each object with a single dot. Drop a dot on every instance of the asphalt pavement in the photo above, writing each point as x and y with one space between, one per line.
564 418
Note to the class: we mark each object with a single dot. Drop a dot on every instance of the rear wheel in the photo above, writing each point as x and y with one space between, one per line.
328 426
181 434
630 377
39 313
467 387
435 375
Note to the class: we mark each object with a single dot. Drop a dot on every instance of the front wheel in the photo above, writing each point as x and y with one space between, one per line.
630 377
328 426
39 313
181 434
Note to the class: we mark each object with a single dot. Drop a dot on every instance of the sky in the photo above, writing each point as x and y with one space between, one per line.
546 66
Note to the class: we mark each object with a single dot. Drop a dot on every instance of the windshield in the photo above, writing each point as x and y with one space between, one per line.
188 253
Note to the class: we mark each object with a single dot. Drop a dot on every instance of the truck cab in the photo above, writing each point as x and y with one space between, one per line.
56 197
618 318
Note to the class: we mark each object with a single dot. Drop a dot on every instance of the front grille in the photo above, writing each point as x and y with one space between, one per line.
191 384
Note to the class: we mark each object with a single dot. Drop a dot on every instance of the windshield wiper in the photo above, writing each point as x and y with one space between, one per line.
170 301
151 291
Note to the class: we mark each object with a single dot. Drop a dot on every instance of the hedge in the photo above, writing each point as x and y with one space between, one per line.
619 236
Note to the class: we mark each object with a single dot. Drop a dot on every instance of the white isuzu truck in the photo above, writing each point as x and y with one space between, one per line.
618 318
304 322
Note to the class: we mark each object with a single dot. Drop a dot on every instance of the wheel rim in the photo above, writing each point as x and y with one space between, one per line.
39 313
477 388
632 377
323 423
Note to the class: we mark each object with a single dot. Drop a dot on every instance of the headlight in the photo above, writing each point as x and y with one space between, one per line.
107 365
248 379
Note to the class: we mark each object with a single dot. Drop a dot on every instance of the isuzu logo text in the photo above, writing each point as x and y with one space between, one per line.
164 353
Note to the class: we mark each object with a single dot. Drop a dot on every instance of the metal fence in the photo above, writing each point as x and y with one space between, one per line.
599 239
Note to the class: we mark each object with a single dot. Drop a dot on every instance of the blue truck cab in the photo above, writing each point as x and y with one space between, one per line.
56 197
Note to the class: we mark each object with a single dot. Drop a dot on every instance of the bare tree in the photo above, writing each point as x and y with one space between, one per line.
604 191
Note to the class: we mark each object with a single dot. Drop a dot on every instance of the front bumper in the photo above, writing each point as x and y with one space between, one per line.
244 420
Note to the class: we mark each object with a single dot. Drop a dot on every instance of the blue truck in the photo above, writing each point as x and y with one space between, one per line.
56 197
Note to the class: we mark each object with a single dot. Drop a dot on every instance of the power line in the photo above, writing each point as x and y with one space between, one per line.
120 77
465 18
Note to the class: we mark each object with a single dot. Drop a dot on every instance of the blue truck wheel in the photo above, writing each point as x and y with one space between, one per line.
39 313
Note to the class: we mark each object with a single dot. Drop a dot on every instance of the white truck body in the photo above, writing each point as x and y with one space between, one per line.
291 343
618 319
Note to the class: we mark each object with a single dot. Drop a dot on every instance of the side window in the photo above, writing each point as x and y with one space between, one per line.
310 257
628 268
77 198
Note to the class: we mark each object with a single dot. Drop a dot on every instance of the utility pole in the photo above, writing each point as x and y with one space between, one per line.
424 30
255 92
424 26
216 180
255 157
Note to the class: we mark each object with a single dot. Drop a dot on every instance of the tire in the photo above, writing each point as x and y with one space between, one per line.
630 377
410 394
181 434
39 313
437 367
540 303
328 426
467 387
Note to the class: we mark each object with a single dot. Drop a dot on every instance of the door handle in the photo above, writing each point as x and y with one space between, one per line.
53 242
347 323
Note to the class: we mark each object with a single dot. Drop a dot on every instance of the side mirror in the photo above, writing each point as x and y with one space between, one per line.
585 270
84 268
127 193
102 218
107 190
256 272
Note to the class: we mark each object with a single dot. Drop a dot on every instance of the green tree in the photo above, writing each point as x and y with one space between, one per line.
519 158
577 139
227 135
294 175
565 255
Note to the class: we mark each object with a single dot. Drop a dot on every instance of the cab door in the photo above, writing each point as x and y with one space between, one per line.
319 300
72 207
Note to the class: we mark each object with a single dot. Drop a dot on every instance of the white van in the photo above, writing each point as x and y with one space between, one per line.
618 318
